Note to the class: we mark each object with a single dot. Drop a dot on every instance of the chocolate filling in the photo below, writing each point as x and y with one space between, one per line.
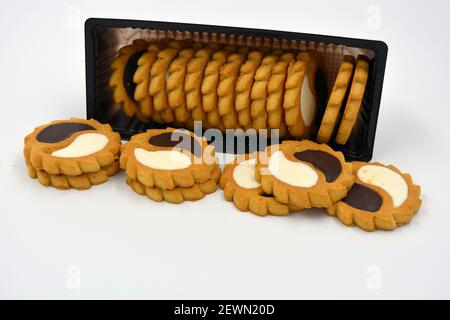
128 73
363 198
325 162
61 131
179 140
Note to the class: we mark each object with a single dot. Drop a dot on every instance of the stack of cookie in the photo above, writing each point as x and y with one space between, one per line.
170 165
297 175
225 87
72 153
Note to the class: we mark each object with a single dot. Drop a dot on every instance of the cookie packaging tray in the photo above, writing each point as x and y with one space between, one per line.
104 37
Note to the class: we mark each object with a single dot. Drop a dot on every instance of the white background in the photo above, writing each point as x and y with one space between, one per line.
109 242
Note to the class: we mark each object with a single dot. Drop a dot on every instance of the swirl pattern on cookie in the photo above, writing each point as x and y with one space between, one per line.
381 198
305 174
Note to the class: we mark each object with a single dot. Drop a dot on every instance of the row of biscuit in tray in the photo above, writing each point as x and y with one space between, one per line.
176 165
178 82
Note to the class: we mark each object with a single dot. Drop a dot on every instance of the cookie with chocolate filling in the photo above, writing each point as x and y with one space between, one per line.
168 158
304 174
354 101
240 187
300 98
178 194
337 97
71 147
382 198
121 81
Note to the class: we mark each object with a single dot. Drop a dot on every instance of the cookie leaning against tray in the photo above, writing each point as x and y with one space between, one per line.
72 153
170 164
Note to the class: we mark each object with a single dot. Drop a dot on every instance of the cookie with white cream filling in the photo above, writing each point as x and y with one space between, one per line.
304 174
168 158
382 198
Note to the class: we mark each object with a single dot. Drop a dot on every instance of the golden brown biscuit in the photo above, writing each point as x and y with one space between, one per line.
175 84
229 74
354 100
121 81
300 98
259 91
168 158
178 194
240 187
158 76
381 198
72 147
210 84
194 79
244 87
304 174
336 100
80 182
275 91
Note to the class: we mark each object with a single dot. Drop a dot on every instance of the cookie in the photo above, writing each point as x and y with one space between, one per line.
229 74
121 82
178 194
175 84
168 158
240 187
244 87
259 91
72 147
81 182
158 77
194 79
336 100
382 198
210 83
275 94
354 100
300 98
142 79
304 174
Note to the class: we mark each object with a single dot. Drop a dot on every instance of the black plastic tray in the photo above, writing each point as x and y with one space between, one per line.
359 147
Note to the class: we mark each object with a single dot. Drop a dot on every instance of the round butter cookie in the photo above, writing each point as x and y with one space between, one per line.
382 198
168 158
355 98
72 147
304 174
178 194
300 98
121 81
336 100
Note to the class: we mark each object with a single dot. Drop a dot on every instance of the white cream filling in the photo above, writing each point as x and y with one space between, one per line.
83 145
294 173
244 174
386 179
162 160
307 103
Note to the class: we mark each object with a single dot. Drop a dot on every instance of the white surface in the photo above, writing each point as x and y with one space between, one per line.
120 245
